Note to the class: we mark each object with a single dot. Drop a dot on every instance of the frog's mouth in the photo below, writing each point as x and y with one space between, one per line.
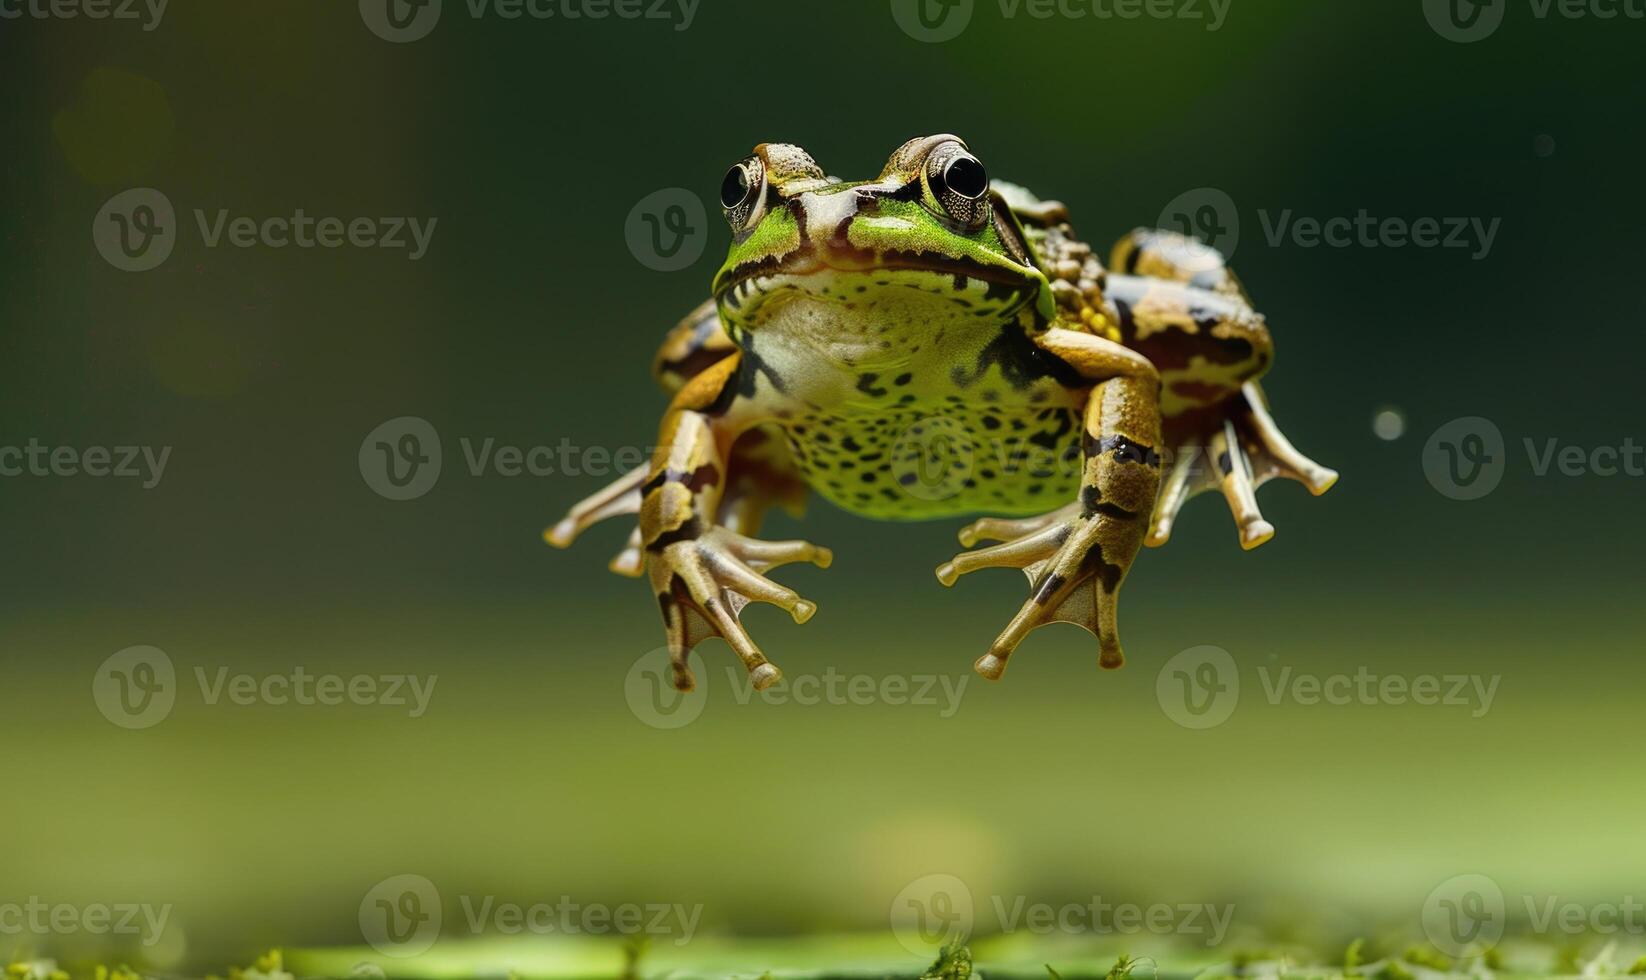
858 270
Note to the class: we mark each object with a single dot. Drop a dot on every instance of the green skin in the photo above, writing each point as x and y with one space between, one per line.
876 321
927 344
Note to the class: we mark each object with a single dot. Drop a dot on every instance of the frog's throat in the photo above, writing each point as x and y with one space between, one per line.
875 317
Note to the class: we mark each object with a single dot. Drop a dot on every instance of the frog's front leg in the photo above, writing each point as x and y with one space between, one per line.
702 572
1077 557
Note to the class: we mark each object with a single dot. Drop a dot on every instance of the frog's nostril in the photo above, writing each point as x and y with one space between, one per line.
824 216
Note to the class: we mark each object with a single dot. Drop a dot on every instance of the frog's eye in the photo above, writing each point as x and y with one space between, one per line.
958 183
743 192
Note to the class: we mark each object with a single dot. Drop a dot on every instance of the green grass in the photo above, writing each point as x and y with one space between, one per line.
861 957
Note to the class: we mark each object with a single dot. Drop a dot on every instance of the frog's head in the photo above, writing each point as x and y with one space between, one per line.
926 240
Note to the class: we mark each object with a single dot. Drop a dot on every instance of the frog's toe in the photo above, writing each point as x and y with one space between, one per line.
1019 553
771 554
629 562
619 497
1239 490
1275 455
1009 529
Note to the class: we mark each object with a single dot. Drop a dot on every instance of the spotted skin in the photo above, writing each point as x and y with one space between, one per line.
928 344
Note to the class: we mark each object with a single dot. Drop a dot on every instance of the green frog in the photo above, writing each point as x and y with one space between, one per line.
932 343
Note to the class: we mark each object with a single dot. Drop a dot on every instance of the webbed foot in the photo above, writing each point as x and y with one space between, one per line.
703 584
1074 561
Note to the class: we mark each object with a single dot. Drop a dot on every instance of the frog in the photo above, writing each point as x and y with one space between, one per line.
929 344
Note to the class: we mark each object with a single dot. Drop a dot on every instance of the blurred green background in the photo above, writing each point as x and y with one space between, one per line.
530 322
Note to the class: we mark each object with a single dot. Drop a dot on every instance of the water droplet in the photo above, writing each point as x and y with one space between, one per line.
1389 424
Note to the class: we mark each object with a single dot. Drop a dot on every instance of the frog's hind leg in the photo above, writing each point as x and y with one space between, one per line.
1077 557
1159 254
1179 304
761 474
